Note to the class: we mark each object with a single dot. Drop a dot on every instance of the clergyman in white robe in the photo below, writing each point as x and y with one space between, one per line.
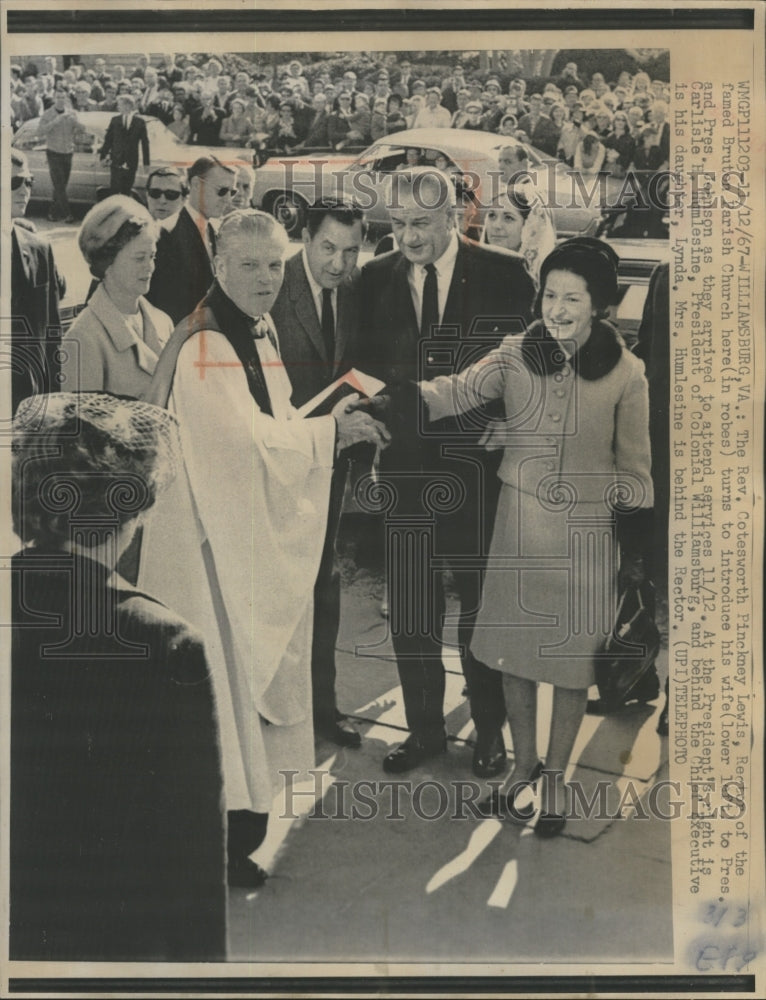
235 548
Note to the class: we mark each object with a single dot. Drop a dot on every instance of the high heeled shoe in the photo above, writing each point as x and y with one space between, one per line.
502 805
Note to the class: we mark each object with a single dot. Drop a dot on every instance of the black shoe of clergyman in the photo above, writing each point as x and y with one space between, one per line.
342 736
242 873
412 752
489 756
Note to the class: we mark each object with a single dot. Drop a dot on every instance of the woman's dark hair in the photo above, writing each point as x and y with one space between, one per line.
396 99
592 260
518 197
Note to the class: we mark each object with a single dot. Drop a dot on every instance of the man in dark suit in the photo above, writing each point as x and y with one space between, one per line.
433 307
183 268
316 135
36 287
317 314
126 132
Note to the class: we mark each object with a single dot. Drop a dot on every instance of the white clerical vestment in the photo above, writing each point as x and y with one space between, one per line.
234 546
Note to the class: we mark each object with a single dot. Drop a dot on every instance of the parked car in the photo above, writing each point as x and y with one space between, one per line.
286 185
89 176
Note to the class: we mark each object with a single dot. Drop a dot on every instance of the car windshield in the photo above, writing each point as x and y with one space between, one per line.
160 134
26 137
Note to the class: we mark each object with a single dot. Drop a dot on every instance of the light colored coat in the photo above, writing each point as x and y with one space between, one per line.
103 352
575 449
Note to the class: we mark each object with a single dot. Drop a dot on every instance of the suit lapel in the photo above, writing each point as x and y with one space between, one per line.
25 257
343 324
305 310
402 297
455 295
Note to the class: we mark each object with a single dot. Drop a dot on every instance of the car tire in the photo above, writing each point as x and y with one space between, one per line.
290 210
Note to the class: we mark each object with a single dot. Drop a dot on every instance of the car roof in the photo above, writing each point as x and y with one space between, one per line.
456 139
93 119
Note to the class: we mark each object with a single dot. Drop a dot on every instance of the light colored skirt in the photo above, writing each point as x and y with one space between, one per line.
549 592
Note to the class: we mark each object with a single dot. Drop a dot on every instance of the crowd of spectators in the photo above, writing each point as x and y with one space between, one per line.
591 124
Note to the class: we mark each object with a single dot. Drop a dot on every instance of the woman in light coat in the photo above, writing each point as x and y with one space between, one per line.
576 466
115 342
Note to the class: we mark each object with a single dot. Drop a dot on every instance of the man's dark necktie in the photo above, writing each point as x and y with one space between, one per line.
328 327
430 312
211 238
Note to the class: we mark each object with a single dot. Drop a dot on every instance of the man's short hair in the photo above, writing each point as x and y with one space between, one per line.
340 209
202 167
169 172
415 179
250 222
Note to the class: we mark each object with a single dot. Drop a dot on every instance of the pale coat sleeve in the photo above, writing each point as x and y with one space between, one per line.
450 395
261 488
632 447
85 365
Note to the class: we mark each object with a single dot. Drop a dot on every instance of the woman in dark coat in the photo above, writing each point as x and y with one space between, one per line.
576 459
117 828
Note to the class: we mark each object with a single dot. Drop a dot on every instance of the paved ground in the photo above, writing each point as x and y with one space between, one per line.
450 889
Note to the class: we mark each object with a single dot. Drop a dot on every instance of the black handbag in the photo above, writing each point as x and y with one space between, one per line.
628 652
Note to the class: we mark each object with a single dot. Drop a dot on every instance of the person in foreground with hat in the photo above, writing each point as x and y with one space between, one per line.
236 546
117 836
115 342
576 464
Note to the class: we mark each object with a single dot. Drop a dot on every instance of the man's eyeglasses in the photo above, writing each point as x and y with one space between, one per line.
16 182
161 192
223 191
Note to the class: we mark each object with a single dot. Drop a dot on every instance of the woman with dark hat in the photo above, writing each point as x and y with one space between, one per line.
575 470
117 833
